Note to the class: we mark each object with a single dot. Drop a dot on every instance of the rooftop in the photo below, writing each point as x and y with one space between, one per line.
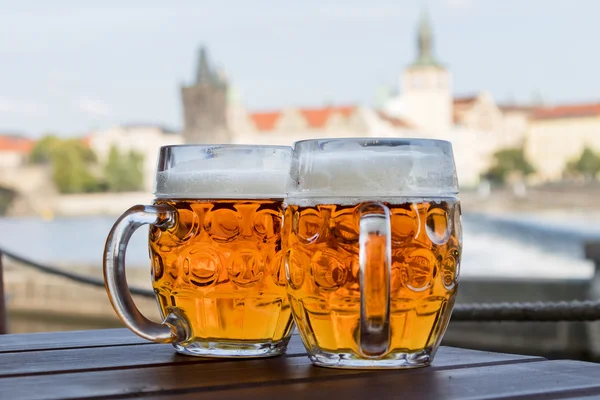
567 111
16 143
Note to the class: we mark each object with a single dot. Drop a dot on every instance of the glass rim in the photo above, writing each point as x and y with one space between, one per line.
226 146
366 138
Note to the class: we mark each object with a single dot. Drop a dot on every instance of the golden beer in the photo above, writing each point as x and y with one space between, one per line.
322 262
219 269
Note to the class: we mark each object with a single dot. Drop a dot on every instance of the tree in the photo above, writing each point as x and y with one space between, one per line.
587 165
71 167
508 162
43 150
71 163
124 172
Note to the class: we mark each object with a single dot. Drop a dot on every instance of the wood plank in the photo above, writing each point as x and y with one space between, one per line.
547 380
221 374
25 342
68 340
101 358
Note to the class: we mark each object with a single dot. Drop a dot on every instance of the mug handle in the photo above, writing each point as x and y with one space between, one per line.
375 259
115 279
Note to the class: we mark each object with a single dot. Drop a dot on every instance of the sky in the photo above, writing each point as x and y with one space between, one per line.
68 66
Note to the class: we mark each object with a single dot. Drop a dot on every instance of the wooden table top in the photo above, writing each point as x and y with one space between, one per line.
115 363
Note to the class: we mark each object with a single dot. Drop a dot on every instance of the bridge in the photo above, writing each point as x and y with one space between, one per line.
26 190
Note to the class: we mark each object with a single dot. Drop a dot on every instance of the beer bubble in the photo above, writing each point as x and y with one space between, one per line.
438 226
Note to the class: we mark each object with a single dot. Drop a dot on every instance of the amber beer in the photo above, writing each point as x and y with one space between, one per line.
215 252
219 268
322 242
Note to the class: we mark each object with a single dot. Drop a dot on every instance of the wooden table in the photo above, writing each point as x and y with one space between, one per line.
115 363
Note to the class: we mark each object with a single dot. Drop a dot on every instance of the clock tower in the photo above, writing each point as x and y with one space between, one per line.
427 87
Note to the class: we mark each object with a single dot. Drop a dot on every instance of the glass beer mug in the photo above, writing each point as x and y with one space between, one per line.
215 246
372 240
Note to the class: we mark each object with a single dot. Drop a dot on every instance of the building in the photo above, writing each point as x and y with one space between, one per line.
145 139
558 135
423 106
205 105
14 150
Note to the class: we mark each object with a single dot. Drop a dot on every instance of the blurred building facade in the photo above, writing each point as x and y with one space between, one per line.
14 150
558 135
424 106
145 139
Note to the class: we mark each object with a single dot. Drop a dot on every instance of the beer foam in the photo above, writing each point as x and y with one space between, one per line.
350 201
353 171
236 176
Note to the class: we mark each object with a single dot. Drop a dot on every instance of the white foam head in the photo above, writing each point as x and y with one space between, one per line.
229 172
372 168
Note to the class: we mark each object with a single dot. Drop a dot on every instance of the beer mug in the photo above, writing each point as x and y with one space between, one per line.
215 248
372 240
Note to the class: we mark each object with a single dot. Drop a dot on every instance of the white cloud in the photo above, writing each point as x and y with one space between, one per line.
93 107
22 107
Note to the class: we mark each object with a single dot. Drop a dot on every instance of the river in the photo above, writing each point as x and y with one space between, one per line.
532 245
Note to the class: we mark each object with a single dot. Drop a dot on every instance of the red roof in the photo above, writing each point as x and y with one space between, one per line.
86 140
315 118
16 143
568 111
464 100
265 121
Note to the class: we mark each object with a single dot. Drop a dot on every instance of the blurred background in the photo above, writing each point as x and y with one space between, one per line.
89 92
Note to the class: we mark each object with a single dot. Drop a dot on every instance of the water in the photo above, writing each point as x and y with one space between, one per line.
68 241
540 245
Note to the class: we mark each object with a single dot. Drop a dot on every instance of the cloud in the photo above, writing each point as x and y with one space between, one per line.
22 107
93 107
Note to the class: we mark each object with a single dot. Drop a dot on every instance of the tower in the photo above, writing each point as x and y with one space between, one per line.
427 86
205 105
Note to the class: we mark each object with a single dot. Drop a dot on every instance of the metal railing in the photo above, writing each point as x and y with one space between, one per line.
588 310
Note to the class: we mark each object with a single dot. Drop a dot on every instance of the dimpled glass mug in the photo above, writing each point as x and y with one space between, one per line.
372 240
215 245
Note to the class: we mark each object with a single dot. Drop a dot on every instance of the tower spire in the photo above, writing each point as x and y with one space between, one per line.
425 55
203 72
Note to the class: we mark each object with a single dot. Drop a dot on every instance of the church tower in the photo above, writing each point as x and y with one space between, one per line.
427 87
205 105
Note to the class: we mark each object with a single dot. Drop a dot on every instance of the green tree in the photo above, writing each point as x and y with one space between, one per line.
587 165
124 172
71 164
43 150
508 162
